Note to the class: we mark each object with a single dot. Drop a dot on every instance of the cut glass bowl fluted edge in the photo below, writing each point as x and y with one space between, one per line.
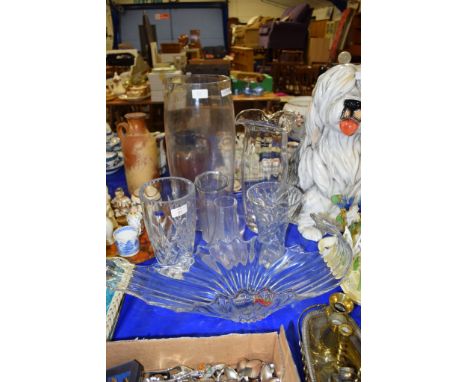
240 281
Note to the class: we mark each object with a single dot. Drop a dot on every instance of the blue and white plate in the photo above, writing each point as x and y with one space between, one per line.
113 169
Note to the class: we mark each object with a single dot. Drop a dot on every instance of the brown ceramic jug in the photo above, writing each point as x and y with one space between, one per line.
139 149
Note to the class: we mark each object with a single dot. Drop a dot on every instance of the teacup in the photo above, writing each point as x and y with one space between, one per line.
126 240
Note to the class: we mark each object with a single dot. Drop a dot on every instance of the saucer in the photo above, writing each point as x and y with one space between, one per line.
125 97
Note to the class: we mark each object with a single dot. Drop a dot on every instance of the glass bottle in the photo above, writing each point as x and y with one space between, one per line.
199 125
139 150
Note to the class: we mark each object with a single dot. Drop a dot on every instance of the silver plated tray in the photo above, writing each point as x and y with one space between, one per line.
318 360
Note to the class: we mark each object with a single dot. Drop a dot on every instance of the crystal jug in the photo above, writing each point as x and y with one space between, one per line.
139 149
199 125
265 154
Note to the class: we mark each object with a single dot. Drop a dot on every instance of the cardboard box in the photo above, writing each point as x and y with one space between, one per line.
170 58
251 38
318 28
331 29
191 351
318 50
323 13
243 58
239 83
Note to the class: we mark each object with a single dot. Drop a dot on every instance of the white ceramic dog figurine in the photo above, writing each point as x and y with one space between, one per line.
328 161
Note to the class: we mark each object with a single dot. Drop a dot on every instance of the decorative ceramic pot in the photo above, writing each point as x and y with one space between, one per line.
139 151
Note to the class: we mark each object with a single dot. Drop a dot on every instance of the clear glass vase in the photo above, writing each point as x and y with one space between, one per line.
265 153
199 125
170 215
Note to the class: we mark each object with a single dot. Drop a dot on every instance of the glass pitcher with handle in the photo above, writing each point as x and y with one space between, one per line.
265 151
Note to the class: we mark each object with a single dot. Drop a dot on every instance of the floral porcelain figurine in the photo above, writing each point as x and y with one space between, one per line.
349 221
134 218
328 160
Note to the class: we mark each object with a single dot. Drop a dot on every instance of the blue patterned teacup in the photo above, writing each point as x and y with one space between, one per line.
126 239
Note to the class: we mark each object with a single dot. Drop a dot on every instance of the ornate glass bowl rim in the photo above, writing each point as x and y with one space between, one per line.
198 79
288 186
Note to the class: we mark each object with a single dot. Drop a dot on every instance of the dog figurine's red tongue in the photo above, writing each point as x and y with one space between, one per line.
349 126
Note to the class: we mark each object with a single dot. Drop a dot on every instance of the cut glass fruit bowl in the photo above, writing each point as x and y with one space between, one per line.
230 280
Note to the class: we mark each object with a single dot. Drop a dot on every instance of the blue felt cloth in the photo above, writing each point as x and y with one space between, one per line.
140 320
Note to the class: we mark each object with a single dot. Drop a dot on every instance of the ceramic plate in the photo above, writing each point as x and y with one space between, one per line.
113 169
125 97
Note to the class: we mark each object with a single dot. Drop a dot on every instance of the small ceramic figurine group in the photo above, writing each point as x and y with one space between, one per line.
122 210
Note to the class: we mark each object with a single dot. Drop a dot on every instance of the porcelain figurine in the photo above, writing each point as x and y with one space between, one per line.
136 202
109 231
349 221
134 218
121 203
299 106
328 160
109 210
117 85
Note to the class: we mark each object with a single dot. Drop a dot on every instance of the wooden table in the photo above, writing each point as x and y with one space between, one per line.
117 108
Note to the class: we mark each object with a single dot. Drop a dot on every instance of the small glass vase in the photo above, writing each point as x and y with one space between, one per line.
227 224
210 185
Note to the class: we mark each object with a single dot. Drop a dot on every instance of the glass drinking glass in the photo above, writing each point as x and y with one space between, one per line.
169 213
265 154
209 185
274 204
227 224
199 125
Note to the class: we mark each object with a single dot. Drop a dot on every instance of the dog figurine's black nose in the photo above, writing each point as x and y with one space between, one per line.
352 104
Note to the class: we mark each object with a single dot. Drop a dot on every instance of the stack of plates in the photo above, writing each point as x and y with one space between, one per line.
114 156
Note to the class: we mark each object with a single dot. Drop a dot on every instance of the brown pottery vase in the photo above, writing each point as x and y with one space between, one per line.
139 149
